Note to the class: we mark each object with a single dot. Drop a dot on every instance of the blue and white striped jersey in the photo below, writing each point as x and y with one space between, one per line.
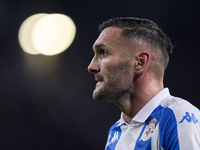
164 123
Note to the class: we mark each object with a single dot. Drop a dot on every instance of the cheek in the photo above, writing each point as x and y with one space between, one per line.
116 69
109 64
121 71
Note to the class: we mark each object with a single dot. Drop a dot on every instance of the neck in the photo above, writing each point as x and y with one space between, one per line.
134 101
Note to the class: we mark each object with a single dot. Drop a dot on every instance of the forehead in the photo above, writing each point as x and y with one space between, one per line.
110 35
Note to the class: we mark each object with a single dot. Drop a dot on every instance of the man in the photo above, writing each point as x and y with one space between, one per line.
131 56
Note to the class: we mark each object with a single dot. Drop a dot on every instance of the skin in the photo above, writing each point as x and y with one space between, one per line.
123 72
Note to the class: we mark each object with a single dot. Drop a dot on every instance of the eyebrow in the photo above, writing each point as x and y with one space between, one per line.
99 46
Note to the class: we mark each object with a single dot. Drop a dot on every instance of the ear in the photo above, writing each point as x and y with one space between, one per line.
142 61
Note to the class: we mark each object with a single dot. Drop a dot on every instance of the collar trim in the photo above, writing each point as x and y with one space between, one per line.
146 111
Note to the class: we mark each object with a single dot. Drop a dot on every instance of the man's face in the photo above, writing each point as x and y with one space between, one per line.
111 66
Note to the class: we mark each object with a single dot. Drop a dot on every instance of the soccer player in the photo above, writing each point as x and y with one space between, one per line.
131 55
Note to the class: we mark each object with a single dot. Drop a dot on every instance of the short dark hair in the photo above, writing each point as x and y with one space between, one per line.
143 29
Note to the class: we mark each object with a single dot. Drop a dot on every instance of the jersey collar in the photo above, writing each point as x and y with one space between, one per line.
146 111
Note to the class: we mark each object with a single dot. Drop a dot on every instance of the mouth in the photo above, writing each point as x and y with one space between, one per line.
99 79
98 82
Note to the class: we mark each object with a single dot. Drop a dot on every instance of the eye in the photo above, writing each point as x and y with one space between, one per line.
104 53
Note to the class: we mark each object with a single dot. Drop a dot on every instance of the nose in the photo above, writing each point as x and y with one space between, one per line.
93 66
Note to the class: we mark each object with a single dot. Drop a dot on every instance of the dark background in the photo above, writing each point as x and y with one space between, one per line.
46 101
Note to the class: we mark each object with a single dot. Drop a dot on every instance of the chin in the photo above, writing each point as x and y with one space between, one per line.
101 96
98 96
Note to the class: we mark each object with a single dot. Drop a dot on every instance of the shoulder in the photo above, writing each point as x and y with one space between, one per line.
181 114
179 105
183 119
180 108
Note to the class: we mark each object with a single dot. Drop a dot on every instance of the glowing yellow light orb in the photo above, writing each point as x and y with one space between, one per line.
47 34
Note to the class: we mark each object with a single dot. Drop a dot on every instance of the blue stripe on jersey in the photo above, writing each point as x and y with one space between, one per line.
168 135
146 145
114 135
168 130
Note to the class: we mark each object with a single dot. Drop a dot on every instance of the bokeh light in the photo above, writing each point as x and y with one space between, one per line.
47 34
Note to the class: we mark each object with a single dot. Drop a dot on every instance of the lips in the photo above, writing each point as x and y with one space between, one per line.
99 79
99 82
